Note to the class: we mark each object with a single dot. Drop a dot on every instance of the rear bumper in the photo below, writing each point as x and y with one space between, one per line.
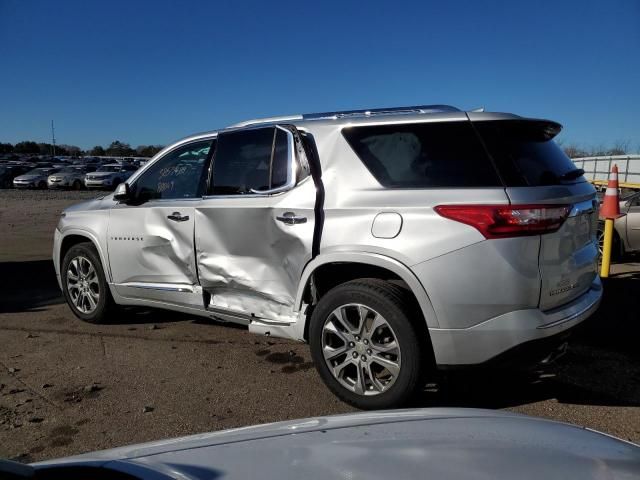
492 339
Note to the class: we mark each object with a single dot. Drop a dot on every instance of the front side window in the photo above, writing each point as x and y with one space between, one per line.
181 173
247 160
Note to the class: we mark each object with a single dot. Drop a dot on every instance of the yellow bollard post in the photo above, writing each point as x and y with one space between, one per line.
606 248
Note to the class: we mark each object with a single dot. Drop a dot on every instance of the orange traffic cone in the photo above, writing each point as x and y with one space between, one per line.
611 205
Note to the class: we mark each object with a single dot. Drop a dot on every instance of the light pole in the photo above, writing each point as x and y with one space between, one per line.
53 141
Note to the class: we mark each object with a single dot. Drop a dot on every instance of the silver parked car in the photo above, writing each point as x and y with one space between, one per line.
626 236
442 443
36 178
69 177
109 176
394 241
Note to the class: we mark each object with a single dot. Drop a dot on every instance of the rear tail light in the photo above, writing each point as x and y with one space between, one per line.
502 221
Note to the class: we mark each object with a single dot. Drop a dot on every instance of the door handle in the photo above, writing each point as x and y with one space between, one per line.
177 217
290 218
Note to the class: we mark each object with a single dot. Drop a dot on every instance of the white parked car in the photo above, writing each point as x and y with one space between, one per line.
109 176
69 177
36 178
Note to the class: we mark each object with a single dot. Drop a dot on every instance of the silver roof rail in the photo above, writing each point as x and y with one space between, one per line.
419 109
283 118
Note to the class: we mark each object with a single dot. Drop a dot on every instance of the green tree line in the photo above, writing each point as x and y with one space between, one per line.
115 149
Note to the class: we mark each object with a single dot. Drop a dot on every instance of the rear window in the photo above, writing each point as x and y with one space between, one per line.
422 155
525 153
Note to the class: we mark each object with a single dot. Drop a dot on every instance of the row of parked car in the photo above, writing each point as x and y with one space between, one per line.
72 174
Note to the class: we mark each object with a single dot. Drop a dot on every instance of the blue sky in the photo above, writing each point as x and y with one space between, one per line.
149 72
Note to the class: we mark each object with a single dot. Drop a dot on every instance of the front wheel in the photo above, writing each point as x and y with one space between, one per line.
84 284
364 345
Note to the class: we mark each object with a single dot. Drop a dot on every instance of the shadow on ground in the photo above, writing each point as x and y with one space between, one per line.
601 367
28 286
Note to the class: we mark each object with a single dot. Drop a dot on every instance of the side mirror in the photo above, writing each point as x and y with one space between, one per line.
122 192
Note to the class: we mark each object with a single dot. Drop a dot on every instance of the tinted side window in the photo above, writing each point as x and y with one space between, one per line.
255 159
525 153
179 174
422 155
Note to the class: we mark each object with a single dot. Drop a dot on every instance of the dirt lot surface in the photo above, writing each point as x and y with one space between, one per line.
68 387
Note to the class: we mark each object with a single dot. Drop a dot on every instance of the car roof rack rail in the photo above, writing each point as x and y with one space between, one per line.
416 109
412 110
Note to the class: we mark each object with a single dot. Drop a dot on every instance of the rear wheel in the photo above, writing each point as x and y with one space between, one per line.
84 284
77 185
42 185
365 346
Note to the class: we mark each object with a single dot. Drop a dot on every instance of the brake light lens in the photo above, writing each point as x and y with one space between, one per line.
504 221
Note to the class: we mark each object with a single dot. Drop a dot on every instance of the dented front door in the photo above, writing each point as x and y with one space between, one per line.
151 251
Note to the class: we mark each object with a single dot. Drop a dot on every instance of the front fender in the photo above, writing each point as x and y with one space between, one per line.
89 235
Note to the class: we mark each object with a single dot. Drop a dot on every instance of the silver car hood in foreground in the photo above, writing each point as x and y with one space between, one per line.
412 444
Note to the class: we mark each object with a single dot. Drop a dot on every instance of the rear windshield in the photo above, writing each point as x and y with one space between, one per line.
422 155
525 153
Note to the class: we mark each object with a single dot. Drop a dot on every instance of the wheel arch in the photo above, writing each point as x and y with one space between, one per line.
363 265
76 236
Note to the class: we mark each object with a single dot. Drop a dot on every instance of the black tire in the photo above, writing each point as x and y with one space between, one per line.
115 183
77 185
105 304
42 185
391 302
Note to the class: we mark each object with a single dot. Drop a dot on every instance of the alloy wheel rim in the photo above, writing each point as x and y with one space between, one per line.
83 285
361 349
600 242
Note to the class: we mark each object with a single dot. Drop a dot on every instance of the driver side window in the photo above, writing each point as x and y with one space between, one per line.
181 173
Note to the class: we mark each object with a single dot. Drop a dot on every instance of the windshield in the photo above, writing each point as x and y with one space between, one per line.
68 170
40 171
109 168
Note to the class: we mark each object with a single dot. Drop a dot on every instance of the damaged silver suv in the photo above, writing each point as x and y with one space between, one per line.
394 241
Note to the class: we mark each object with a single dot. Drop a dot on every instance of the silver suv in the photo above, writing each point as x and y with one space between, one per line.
395 242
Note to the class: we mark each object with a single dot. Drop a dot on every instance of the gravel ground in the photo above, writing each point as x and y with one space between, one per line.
67 387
